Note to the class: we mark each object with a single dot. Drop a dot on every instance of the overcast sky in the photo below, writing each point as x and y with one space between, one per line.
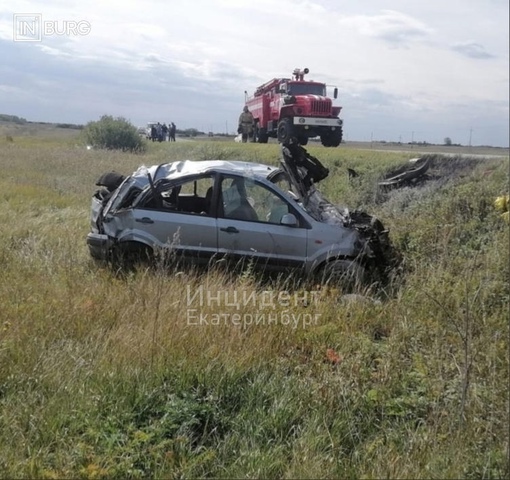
405 70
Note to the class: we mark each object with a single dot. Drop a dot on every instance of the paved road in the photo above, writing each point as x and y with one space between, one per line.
448 154
488 152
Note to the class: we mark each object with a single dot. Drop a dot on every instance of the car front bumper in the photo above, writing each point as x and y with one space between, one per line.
99 245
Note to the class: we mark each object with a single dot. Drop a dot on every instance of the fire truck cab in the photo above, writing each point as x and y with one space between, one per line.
295 108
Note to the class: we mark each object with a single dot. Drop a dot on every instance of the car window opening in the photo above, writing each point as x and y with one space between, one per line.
192 197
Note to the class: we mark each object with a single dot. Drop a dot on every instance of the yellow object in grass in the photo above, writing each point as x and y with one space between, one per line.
501 203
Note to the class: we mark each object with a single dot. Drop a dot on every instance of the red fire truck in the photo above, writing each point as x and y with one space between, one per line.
286 108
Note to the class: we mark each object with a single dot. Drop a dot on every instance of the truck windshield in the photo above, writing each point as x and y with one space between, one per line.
302 88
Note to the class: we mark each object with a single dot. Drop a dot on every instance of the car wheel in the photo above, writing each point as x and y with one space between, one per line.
284 131
346 273
129 254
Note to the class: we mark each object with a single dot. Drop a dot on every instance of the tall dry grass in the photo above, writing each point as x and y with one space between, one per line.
108 375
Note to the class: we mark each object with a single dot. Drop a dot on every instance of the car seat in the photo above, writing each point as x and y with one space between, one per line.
244 211
208 200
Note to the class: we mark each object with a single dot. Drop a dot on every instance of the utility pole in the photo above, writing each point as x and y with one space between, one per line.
470 135
226 127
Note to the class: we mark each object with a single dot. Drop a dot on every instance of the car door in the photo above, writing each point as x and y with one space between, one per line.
180 219
249 227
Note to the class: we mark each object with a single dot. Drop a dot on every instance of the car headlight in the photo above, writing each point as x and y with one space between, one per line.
301 120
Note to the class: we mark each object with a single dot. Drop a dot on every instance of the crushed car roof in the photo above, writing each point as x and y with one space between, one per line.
191 167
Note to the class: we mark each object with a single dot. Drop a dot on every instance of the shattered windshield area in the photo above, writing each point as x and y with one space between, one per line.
118 196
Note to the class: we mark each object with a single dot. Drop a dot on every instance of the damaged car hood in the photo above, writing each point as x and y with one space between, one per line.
304 171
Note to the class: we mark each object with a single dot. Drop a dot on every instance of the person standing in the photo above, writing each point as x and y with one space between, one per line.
173 129
159 130
246 124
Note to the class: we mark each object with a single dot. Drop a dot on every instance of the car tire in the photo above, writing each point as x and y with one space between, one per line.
345 273
129 254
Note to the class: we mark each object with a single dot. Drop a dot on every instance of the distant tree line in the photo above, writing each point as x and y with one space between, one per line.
194 132
21 121
189 132
448 143
12 119
70 125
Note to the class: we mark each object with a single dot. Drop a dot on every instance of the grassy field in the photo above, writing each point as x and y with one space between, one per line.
104 376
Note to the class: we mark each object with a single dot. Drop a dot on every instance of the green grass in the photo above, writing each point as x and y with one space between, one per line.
102 376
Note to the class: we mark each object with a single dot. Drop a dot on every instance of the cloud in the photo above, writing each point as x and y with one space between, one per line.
390 26
53 51
472 50
191 62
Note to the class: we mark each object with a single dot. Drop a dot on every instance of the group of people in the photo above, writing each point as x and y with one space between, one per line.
163 133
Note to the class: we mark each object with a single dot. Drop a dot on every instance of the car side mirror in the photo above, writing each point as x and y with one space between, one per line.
289 220
335 93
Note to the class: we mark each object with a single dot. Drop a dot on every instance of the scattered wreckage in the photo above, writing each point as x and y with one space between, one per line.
408 174
207 211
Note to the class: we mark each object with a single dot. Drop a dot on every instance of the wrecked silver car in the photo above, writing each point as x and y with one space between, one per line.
207 211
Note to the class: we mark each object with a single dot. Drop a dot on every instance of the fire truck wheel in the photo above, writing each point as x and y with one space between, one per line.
263 137
332 139
336 138
303 139
284 131
326 140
